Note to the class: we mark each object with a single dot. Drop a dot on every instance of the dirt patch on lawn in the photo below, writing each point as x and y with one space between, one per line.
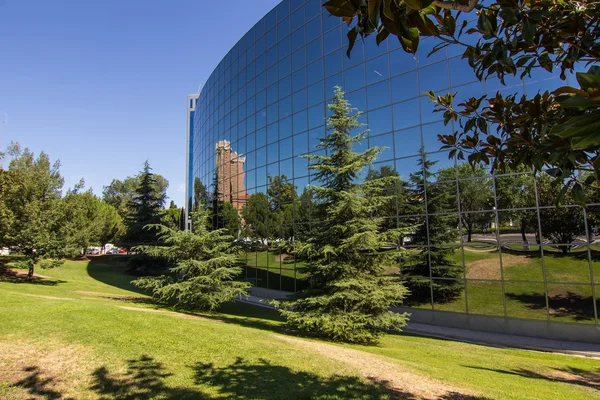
40 296
284 257
386 373
490 268
170 313
573 376
53 371
21 273
115 297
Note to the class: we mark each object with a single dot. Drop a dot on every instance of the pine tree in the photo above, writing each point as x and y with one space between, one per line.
205 269
348 298
432 234
146 207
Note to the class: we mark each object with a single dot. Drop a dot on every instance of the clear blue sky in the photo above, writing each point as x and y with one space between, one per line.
102 85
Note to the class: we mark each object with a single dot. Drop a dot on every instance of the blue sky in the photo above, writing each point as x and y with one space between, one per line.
102 85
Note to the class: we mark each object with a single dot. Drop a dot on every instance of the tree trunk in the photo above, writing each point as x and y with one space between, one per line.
30 272
524 236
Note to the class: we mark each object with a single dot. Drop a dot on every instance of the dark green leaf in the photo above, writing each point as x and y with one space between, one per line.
387 10
381 35
576 102
587 80
578 194
561 195
352 33
545 62
413 4
508 15
339 8
529 30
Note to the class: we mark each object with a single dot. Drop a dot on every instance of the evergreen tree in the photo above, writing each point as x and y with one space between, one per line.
146 207
205 266
348 298
433 234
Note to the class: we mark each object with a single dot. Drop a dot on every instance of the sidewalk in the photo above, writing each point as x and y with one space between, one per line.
463 335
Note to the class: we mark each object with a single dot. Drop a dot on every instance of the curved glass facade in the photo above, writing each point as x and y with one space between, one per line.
265 105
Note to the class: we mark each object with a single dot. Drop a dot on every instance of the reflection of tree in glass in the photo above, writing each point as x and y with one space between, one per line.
304 209
256 214
394 191
514 192
430 236
200 193
475 192
560 225
282 194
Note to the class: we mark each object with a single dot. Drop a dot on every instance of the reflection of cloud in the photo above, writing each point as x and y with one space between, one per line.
181 188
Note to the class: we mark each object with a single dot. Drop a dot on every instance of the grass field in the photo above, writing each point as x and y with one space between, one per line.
84 332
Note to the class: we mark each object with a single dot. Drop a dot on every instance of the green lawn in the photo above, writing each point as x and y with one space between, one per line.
84 332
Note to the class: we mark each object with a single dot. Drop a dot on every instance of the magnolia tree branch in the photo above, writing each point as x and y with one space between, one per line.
453 5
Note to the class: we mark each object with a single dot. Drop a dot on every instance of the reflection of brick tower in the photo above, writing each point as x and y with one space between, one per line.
230 175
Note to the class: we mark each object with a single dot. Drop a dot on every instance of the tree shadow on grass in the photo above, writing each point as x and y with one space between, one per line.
570 375
246 315
263 380
38 385
144 379
112 270
573 305
9 276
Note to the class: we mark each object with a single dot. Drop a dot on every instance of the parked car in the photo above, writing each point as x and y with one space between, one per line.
113 251
123 251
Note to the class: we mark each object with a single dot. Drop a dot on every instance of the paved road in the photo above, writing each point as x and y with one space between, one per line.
517 238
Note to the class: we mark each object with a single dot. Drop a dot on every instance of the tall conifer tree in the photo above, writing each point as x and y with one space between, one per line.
348 299
435 235
146 207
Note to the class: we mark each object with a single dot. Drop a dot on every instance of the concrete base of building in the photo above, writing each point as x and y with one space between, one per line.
557 331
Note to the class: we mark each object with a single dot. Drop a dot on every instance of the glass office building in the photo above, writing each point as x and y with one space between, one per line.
490 252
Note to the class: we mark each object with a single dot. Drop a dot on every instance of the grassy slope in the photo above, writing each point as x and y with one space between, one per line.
234 353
